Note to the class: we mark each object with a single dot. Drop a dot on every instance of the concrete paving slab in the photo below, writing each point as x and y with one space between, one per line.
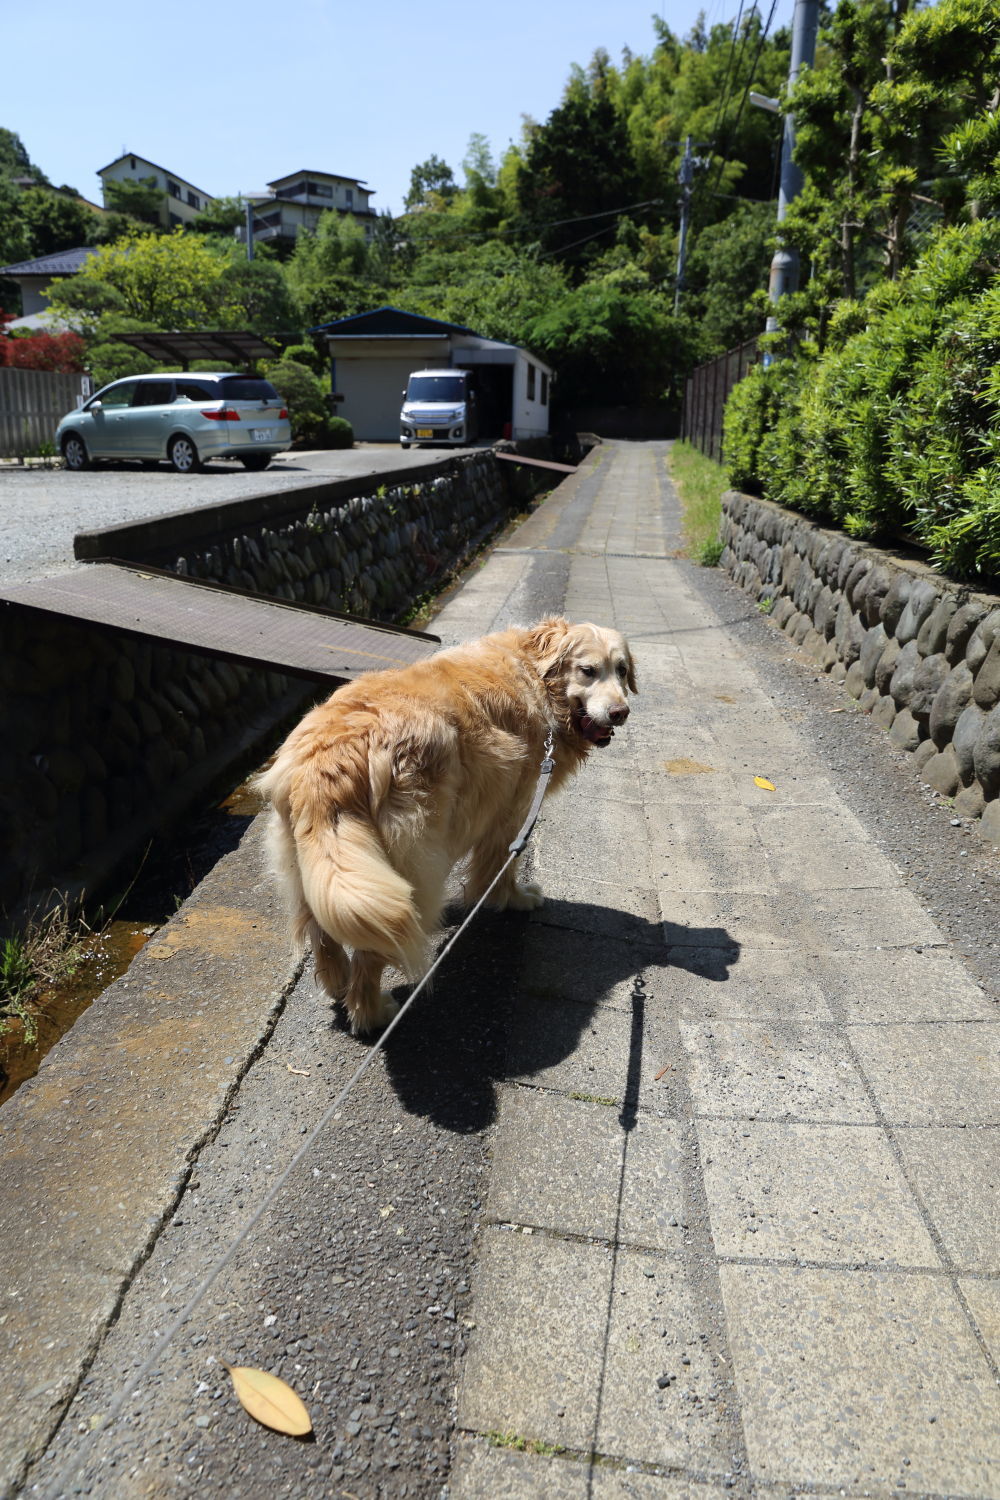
810 1192
903 984
658 1200
819 922
983 1298
662 1396
624 911
563 964
767 984
824 865
870 1381
598 842
957 1175
778 1070
534 1361
938 1074
485 1471
559 1164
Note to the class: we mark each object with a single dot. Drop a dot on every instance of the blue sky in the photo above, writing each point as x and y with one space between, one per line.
231 95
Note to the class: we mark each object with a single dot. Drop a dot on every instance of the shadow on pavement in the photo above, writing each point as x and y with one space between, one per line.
516 995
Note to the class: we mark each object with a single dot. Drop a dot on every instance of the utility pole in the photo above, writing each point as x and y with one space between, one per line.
689 163
249 212
785 264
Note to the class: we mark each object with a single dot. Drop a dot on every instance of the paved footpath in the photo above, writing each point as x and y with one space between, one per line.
737 1112
744 1232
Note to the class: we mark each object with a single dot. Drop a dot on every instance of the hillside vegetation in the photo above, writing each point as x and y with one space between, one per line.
881 409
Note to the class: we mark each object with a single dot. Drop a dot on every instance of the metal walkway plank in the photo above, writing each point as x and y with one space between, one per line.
278 635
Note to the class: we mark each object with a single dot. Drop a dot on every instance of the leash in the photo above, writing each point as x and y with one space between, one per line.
58 1490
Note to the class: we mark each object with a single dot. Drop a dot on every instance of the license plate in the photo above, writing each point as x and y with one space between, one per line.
262 434
425 432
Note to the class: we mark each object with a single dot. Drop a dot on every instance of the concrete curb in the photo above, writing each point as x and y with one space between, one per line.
96 1149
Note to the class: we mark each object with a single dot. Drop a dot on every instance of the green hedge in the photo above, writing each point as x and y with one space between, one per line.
895 426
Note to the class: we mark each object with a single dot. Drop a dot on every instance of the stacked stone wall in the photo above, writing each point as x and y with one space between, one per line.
919 652
109 739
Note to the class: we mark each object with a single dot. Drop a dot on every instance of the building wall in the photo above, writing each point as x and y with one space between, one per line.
530 417
178 208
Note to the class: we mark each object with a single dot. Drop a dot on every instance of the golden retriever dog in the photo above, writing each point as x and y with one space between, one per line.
383 788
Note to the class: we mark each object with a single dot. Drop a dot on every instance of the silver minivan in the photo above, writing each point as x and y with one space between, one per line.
183 418
439 406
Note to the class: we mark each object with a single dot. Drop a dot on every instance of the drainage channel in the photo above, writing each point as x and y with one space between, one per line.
166 876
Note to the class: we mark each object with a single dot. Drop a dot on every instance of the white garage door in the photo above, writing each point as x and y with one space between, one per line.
372 390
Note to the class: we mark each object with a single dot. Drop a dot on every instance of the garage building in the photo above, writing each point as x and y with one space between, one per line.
372 354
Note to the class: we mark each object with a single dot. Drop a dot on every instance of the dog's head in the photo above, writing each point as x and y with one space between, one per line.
589 671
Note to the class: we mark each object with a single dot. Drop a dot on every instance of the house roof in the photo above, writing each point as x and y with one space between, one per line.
166 172
390 322
314 172
60 263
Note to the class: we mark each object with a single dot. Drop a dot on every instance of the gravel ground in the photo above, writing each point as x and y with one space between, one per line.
948 865
42 509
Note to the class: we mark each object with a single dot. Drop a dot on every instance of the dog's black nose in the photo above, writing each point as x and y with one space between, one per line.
619 715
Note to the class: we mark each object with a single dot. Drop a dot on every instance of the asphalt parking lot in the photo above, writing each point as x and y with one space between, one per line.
41 509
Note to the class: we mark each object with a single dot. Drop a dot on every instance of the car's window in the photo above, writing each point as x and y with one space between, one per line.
247 388
117 395
436 388
154 393
195 392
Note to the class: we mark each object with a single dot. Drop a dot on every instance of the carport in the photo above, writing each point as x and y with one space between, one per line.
372 355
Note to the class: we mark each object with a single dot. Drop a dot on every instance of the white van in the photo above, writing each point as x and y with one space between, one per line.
439 406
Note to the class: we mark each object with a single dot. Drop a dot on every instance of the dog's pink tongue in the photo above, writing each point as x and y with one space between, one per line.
594 731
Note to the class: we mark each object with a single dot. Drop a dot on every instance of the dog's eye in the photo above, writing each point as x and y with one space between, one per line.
621 669
589 671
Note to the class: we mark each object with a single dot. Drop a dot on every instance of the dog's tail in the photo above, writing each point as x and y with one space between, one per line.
348 884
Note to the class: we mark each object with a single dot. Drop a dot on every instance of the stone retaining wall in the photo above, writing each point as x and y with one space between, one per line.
919 652
109 739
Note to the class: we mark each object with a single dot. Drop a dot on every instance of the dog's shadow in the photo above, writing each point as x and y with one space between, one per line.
516 995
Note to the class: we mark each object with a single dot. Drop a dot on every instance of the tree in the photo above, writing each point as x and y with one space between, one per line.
326 274
430 179
221 217
138 197
61 352
166 281
52 221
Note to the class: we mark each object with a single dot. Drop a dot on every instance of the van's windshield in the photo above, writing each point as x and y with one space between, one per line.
435 388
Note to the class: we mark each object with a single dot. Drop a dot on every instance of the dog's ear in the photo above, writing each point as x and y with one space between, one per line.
630 678
546 642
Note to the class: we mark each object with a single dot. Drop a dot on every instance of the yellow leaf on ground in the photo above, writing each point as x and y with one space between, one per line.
762 781
270 1401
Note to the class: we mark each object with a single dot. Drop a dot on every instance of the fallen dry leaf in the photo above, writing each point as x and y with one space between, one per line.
302 1072
763 782
269 1400
660 1074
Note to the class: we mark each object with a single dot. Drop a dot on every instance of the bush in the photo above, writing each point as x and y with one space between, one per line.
896 426
308 406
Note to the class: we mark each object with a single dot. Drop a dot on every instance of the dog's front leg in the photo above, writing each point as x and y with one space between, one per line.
368 1006
486 859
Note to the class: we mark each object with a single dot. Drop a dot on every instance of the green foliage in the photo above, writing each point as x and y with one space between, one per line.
221 217
896 426
700 484
168 281
138 198
308 409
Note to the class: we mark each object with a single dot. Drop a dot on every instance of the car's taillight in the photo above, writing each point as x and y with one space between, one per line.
283 414
222 414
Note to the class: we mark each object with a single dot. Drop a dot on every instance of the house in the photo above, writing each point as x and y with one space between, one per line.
372 354
34 277
183 202
294 204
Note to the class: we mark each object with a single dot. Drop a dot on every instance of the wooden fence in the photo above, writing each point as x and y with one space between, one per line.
705 397
31 404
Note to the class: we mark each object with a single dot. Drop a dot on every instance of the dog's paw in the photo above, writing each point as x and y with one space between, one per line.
526 897
375 1017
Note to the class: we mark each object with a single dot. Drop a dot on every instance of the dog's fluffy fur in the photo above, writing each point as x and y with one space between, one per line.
381 789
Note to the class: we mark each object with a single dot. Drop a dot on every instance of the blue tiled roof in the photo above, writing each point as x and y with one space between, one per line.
60 263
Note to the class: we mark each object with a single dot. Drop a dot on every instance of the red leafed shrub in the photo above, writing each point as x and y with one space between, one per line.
62 352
